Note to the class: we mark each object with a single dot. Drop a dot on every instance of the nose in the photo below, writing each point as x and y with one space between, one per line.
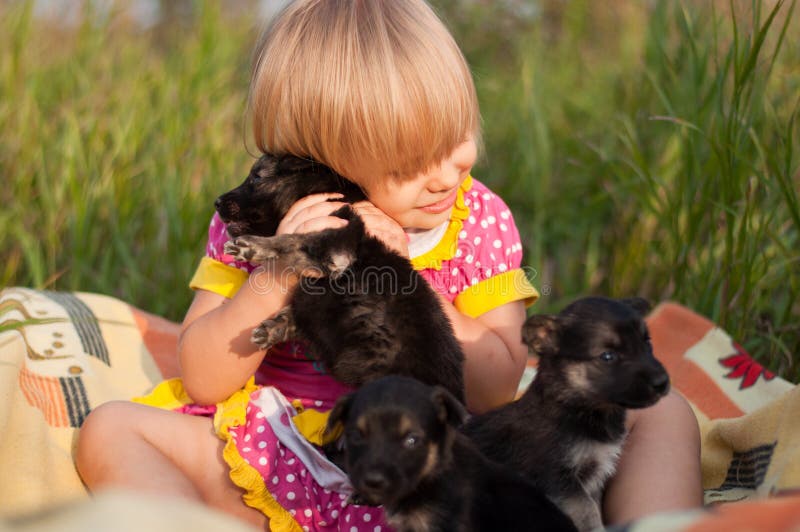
659 382
218 203
375 481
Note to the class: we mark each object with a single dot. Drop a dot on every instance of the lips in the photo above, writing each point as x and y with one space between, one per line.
441 205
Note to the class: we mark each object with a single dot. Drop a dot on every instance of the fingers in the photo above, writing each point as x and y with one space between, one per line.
312 213
381 226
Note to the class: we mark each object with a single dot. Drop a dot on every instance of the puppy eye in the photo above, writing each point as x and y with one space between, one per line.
411 441
609 356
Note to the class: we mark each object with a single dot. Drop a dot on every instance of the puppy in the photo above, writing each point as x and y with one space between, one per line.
361 307
566 431
403 451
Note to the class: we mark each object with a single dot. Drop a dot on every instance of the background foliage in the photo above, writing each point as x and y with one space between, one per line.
645 148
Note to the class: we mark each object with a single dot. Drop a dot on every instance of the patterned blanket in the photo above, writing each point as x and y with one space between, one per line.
63 353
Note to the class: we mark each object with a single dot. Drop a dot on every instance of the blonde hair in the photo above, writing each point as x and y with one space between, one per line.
350 83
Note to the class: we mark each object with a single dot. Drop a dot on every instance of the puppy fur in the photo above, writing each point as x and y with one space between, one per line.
403 450
361 307
566 431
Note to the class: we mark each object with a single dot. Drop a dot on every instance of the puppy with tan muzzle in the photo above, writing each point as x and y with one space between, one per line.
403 451
566 432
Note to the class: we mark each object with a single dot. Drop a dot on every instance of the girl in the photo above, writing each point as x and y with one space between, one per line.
379 91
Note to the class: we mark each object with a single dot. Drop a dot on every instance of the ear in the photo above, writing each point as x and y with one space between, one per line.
449 409
339 412
639 304
539 333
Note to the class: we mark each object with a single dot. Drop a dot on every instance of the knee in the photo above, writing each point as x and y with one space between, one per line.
672 411
99 430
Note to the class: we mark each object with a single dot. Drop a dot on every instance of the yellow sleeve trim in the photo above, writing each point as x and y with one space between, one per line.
168 394
214 276
495 291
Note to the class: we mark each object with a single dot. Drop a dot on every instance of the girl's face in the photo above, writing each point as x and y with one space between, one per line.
426 200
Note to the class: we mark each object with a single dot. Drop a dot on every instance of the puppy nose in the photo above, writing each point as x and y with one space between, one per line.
218 203
375 480
660 383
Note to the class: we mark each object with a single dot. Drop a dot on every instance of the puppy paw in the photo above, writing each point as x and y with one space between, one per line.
272 331
250 249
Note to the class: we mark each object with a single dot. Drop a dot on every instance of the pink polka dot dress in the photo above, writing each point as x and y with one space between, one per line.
273 427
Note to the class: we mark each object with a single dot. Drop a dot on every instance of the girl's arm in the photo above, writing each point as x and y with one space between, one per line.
492 342
495 356
214 349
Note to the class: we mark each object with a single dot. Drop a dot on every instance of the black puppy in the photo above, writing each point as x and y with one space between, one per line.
403 450
361 307
566 431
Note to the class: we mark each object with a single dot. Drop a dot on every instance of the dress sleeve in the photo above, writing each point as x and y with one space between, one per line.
490 253
218 272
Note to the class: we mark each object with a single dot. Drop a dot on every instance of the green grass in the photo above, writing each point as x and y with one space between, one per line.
645 148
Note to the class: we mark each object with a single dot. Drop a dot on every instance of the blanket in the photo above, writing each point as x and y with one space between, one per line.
61 354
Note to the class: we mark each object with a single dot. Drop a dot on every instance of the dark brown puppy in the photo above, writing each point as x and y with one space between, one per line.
361 307
403 450
566 431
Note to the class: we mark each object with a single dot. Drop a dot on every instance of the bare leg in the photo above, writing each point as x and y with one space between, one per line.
124 444
659 469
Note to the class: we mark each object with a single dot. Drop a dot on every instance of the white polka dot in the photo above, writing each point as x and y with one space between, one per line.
259 415
290 461
347 518
262 461
291 496
307 512
502 267
247 437
453 289
497 244
492 219
290 477
488 272
503 227
505 214
322 523
477 205
275 479
474 281
260 429
486 196
474 193
472 220
367 518
469 259
484 224
262 444
459 252
491 256
508 251
306 529
335 514
455 271
353 529
317 403
477 240
477 264
377 529
246 449
462 234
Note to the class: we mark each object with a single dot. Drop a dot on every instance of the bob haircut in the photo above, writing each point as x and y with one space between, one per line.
355 83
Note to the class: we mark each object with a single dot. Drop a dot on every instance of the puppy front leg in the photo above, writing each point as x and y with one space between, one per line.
263 249
277 329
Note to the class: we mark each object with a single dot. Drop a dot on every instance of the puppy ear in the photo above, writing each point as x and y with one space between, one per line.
639 304
339 412
449 409
539 333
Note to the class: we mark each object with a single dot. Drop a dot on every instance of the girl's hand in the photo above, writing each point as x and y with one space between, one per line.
379 225
311 214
